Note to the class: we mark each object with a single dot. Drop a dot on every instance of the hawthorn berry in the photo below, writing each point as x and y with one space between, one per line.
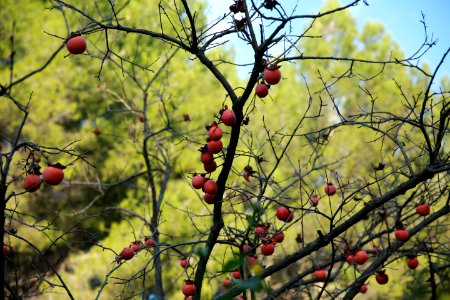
423 209
228 117
198 181
262 90
412 262
5 250
215 133
189 288
236 274
149 242
210 186
211 167
76 45
320 275
330 189
127 253
349 259
363 289
53 175
278 237
206 158
227 283
260 231
184 262
381 277
251 259
209 198
32 183
136 246
272 76
360 257
283 213
314 200
268 249
215 147
401 235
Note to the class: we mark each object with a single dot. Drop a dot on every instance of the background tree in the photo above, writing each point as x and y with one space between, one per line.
356 113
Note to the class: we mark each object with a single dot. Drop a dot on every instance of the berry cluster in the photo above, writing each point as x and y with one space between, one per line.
52 175
271 76
128 252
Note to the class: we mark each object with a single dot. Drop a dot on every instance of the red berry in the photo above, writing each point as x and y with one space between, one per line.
5 250
320 275
53 175
227 283
209 198
330 189
32 183
251 259
215 133
261 90
228 117
267 249
278 237
261 231
189 288
381 277
210 186
412 262
349 259
245 248
360 257
236 274
363 289
136 246
206 158
401 234
314 200
215 147
211 167
149 242
127 253
184 262
423 209
198 181
76 45
272 76
284 214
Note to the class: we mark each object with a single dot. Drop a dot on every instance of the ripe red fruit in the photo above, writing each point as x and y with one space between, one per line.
330 189
251 259
401 234
320 275
423 209
314 200
227 283
267 249
278 237
272 76
228 117
245 248
360 257
381 277
215 133
5 250
211 167
53 175
236 274
349 259
210 186
209 198
412 262
189 288
32 183
136 246
149 242
76 45
198 181
363 289
215 147
261 90
127 253
184 262
261 231
206 158
284 214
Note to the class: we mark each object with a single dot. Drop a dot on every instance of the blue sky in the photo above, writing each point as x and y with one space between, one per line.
401 18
